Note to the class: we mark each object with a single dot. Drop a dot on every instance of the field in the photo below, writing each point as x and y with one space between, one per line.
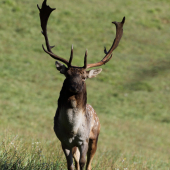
131 95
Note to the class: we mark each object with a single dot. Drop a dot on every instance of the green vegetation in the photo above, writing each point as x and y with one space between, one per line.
131 95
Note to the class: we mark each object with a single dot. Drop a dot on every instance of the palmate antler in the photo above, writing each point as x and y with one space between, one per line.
108 56
45 12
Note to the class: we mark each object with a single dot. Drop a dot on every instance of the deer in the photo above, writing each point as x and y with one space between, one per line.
76 123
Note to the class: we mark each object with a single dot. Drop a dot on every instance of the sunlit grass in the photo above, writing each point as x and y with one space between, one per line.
131 95
17 153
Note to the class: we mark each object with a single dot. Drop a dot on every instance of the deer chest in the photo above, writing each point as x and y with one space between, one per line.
71 126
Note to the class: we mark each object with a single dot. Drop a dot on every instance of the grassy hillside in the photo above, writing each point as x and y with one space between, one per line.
131 95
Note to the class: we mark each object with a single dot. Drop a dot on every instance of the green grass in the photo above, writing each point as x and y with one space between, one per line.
131 96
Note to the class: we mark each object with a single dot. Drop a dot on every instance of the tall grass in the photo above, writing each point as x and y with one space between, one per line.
18 154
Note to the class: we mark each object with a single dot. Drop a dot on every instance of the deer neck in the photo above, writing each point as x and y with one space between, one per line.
71 111
69 100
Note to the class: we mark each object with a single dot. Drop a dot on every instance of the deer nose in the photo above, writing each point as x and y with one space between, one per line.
75 88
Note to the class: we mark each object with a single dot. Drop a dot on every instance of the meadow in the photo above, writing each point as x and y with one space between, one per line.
131 95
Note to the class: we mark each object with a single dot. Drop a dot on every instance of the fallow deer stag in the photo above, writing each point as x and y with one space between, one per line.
76 123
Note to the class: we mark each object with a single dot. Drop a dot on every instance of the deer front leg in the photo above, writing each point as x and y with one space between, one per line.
76 156
69 158
83 151
91 151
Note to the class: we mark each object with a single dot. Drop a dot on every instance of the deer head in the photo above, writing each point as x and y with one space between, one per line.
76 76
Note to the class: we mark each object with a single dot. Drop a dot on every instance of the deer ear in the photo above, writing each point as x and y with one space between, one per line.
62 68
93 73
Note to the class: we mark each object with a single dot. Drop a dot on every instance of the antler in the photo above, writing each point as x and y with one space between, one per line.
119 33
45 12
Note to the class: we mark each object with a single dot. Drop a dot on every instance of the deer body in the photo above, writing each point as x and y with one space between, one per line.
72 121
76 123
73 126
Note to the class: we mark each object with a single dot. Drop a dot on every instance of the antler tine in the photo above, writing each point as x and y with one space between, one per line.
119 33
85 60
71 56
45 12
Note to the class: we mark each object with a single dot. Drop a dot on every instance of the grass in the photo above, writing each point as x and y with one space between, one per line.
31 154
131 95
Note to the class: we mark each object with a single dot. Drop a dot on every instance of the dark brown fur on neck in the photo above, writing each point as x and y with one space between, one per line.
66 97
